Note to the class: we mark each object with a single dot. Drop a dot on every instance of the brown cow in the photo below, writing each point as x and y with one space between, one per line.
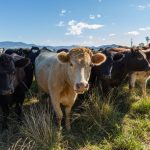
65 75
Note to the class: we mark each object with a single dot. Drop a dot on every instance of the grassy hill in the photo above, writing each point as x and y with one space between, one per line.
120 121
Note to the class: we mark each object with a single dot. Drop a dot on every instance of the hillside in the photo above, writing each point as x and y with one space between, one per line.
10 44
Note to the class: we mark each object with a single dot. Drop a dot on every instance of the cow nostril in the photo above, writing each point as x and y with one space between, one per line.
87 86
82 85
78 85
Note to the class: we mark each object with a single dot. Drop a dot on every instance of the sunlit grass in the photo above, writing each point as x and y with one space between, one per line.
119 121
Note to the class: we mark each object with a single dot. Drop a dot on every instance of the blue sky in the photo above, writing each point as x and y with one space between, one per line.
75 22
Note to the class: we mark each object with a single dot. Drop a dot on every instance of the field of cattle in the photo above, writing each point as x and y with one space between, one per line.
118 119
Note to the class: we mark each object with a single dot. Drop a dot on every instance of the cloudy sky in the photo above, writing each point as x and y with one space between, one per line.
75 22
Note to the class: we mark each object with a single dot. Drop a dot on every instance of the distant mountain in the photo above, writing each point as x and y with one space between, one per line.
10 44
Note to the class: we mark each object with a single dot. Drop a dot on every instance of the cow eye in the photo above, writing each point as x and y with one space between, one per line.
139 58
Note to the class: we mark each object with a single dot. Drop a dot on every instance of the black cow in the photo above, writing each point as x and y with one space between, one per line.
63 50
16 51
133 60
16 74
46 49
34 52
28 53
104 70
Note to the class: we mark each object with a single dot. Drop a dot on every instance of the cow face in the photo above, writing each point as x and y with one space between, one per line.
33 54
138 61
104 70
79 62
8 65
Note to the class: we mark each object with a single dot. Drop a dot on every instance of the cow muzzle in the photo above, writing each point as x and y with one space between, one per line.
80 88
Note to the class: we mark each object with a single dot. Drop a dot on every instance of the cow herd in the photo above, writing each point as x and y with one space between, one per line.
66 74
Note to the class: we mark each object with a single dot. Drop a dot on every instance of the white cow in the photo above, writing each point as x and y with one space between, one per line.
64 75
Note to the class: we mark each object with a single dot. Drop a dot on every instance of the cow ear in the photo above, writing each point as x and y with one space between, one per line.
23 62
20 61
98 59
63 57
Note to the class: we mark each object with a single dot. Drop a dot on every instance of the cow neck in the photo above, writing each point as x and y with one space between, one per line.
122 67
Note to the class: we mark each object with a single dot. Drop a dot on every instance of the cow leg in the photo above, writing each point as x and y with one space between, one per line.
58 112
5 110
143 85
18 111
67 111
19 98
132 79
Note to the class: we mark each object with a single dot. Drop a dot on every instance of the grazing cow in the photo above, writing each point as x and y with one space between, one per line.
133 60
16 76
141 76
65 75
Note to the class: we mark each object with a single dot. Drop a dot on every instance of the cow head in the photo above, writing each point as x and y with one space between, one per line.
104 70
79 62
33 53
8 66
137 61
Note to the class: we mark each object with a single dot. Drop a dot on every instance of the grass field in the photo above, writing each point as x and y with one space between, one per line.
120 121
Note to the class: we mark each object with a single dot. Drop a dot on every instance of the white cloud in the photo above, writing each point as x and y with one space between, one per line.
95 16
60 24
142 7
63 12
135 33
144 29
112 34
76 28
91 37
99 15
92 16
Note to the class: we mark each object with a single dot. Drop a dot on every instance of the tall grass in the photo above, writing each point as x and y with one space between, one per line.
39 127
119 121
